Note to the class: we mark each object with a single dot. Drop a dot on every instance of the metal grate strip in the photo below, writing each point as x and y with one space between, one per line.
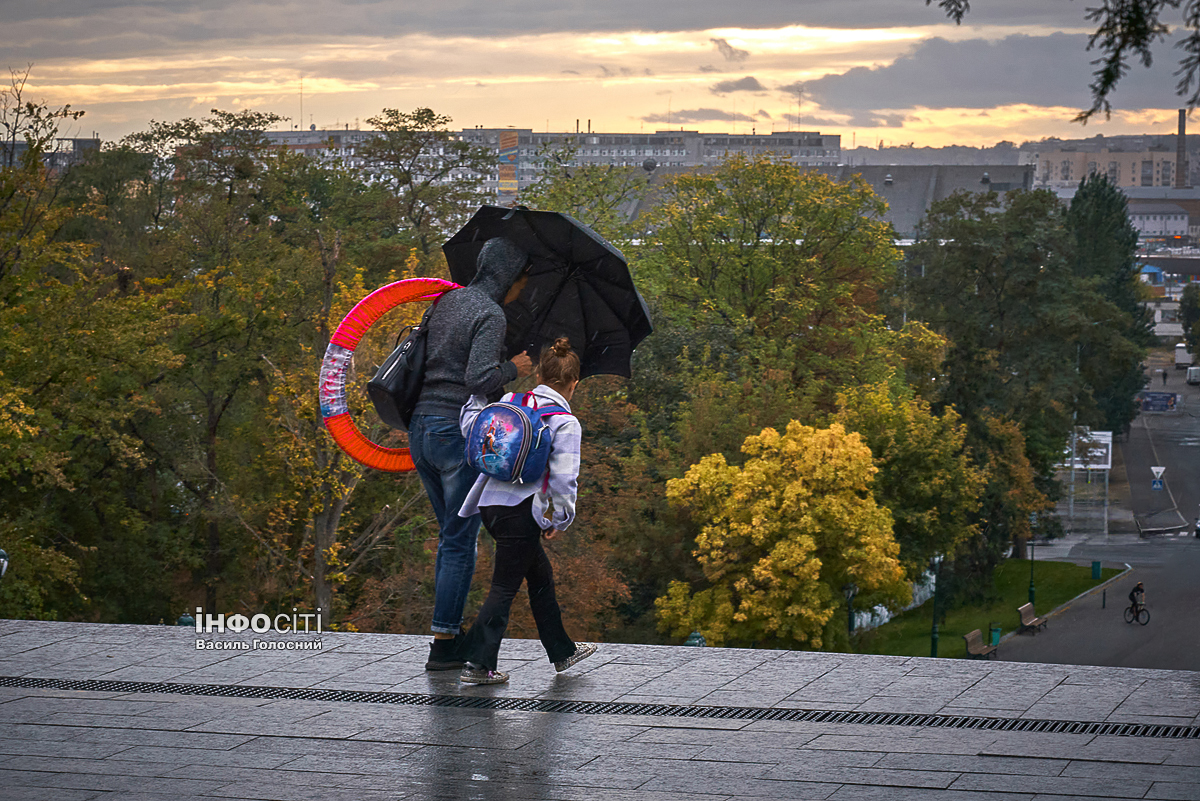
1159 731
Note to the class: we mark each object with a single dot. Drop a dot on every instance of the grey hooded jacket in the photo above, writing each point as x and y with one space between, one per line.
465 349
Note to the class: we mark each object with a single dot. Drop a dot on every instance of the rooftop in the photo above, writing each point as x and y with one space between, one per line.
89 711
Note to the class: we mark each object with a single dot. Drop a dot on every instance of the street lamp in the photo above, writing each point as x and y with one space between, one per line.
937 574
850 590
1032 522
3 563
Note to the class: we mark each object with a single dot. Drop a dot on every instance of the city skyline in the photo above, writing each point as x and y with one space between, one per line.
875 70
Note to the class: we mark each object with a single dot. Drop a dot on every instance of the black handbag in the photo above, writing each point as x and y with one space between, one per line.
396 387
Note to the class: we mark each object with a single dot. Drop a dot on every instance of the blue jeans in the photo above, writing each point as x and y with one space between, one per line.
436 446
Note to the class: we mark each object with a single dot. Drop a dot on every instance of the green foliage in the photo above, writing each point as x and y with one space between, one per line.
1112 349
414 156
996 283
1189 315
602 196
780 536
1039 307
926 477
41 583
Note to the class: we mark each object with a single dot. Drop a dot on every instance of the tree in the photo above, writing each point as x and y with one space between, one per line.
243 291
1112 348
1189 312
779 538
790 260
1127 29
602 196
996 282
926 477
77 359
25 122
433 177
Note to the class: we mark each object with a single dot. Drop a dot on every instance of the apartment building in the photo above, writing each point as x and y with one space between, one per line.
1062 169
519 150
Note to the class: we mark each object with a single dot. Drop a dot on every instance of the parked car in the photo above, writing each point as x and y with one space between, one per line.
1193 375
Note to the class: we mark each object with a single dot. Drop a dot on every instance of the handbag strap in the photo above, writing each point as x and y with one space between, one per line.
408 329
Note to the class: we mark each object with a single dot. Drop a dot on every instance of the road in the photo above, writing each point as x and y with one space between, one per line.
1092 630
1172 440
1091 634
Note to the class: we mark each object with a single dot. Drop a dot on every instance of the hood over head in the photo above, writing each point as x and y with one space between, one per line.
499 265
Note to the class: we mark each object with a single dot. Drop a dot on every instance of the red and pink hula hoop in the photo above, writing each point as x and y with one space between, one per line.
334 408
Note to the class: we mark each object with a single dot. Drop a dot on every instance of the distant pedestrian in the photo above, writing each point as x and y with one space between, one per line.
519 516
1164 377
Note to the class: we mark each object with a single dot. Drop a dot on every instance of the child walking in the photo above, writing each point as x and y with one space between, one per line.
518 516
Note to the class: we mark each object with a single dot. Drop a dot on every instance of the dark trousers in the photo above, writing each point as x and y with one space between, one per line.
519 557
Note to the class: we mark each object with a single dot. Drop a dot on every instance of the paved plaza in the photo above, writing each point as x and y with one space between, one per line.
137 712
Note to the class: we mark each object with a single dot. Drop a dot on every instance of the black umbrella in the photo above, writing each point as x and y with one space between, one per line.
579 287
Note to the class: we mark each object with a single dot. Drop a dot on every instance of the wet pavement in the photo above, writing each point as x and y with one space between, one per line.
138 712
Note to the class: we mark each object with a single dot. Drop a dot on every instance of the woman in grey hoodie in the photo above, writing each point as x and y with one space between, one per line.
464 357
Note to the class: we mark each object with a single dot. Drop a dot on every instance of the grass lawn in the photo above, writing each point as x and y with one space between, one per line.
908 634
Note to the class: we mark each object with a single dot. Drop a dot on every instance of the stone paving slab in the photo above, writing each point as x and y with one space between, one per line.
58 743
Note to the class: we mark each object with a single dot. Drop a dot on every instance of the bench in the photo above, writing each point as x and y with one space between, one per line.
976 649
1029 619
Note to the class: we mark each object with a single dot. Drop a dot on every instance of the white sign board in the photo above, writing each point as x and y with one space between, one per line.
1093 450
1158 471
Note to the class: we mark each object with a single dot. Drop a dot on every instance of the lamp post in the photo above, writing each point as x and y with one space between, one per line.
850 590
1032 521
937 574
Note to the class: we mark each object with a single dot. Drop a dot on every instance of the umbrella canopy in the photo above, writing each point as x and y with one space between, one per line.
579 287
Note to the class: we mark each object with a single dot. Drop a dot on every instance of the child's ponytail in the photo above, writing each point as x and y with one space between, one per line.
558 364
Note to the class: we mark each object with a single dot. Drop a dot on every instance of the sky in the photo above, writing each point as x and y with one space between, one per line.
890 71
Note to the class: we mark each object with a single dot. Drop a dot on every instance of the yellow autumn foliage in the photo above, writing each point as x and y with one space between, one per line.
779 538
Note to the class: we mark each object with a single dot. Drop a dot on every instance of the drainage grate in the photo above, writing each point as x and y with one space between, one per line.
619 708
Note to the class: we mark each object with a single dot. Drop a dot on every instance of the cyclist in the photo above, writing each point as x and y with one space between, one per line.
1137 598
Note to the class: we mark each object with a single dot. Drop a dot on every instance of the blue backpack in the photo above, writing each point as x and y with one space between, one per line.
510 441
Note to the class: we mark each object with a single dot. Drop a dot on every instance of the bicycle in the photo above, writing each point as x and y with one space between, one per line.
1137 612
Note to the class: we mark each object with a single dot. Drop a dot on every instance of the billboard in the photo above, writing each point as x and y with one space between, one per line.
1157 401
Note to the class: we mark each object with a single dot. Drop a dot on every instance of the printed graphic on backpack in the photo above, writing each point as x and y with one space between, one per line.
510 441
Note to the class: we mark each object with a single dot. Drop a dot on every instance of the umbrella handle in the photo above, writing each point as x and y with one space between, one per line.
335 409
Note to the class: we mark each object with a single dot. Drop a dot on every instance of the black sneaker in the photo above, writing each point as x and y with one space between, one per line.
582 652
443 654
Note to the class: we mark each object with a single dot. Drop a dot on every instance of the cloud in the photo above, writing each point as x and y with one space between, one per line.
862 119
747 84
698 115
709 68
1047 71
730 52
762 112
249 19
